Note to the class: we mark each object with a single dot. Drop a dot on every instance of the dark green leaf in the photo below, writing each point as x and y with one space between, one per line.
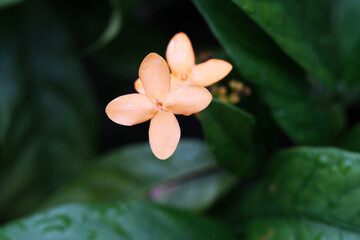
266 133
189 179
280 82
111 30
349 32
94 23
307 193
120 221
345 22
320 35
229 132
6 3
122 57
352 139
351 78
46 124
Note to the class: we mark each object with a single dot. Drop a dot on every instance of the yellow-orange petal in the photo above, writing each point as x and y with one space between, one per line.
188 99
180 54
155 77
176 82
138 86
164 134
209 72
130 109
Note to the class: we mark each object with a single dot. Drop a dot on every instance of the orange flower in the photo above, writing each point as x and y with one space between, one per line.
181 59
158 104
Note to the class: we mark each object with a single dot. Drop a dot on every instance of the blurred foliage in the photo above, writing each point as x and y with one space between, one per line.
190 179
61 62
6 3
99 23
115 221
47 111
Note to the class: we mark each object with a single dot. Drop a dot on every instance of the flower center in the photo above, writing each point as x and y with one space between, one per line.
159 105
183 76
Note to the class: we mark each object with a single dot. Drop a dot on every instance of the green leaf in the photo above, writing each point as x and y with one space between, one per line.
307 193
229 132
352 140
190 179
293 228
46 126
320 35
120 221
7 3
301 29
307 118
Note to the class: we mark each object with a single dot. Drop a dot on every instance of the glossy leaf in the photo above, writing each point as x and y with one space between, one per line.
229 132
189 179
281 83
302 30
292 228
120 221
320 35
307 193
46 116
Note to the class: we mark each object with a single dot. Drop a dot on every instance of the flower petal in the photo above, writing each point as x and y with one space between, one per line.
139 87
209 72
175 83
130 109
180 54
155 77
188 99
164 134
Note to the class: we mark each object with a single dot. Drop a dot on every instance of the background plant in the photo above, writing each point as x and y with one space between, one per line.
283 163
